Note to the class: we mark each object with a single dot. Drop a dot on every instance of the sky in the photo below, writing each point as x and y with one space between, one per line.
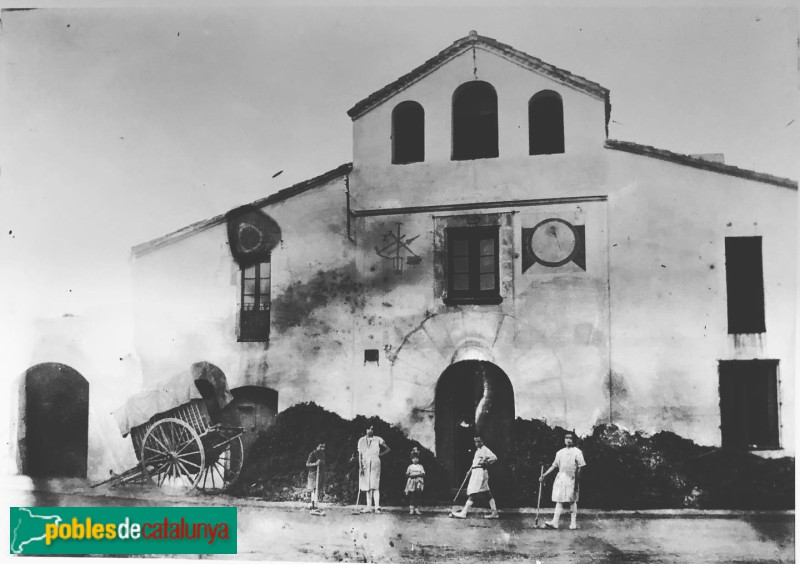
121 124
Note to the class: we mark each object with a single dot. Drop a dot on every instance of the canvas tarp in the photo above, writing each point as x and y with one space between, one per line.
202 381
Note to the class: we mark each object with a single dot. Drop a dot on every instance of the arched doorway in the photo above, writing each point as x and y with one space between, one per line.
257 407
472 396
54 422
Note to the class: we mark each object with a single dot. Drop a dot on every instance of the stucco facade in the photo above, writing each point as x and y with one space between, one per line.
633 333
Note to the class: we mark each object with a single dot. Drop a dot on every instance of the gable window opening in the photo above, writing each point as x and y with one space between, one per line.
545 123
408 133
473 265
475 121
744 278
255 302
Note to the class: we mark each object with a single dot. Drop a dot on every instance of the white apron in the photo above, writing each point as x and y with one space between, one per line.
479 477
369 476
568 460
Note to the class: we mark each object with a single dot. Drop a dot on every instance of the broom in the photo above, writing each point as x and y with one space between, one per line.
459 491
539 498
356 510
318 512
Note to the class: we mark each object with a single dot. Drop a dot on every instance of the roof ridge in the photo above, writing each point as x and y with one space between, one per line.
473 39
279 196
697 162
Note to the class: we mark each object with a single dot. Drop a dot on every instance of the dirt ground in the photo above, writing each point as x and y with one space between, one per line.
286 532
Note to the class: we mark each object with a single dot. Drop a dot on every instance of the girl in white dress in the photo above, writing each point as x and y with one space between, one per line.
568 462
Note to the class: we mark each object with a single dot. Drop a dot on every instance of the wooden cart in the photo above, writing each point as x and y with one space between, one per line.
192 445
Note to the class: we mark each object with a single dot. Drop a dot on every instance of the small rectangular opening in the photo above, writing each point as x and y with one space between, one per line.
371 355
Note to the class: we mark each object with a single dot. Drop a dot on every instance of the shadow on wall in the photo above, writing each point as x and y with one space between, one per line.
294 306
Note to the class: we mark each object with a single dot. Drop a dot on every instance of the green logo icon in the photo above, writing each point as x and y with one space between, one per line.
122 530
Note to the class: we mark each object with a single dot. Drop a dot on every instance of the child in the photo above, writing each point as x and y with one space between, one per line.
479 481
566 488
316 477
415 483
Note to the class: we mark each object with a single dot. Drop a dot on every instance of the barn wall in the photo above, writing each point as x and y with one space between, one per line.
187 300
625 339
634 335
667 229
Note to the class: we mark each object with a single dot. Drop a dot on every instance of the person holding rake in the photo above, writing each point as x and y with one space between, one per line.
566 487
479 481
316 477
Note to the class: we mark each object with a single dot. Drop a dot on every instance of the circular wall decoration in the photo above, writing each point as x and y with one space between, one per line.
553 242
250 237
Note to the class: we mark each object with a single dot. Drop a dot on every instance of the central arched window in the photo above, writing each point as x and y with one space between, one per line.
474 121
408 133
545 123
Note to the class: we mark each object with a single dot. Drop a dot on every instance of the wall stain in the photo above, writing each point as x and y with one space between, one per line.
300 299
294 306
616 393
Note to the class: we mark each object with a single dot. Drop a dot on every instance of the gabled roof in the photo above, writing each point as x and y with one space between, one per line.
697 162
471 41
279 196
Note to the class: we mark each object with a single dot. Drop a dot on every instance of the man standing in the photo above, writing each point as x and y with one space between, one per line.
566 487
370 450
479 481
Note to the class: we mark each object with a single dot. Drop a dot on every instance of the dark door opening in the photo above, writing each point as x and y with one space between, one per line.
55 421
472 397
748 391
257 407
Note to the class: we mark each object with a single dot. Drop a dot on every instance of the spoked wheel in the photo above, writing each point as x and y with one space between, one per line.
172 454
224 459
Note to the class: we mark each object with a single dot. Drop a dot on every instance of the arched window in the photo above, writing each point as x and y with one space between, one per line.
408 133
474 121
545 123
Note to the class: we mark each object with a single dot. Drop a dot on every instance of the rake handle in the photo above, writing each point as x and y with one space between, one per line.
462 485
539 497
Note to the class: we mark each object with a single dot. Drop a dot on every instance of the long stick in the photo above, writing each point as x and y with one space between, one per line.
462 485
539 497
358 484
316 488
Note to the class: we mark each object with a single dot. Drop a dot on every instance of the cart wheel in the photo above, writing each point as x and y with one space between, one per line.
172 454
223 465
